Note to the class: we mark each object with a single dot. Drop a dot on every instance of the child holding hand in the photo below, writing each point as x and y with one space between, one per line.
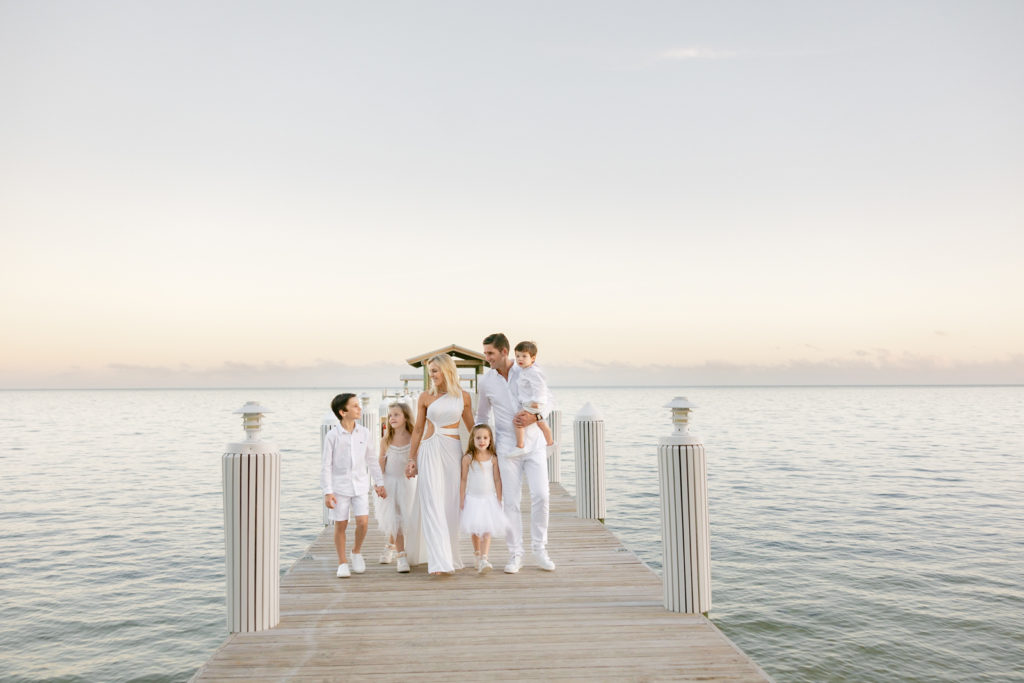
480 495
348 453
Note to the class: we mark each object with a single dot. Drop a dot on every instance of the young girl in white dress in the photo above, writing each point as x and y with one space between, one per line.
480 495
398 514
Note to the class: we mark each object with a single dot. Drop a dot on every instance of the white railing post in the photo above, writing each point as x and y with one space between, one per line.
370 421
685 531
329 422
252 512
555 451
588 443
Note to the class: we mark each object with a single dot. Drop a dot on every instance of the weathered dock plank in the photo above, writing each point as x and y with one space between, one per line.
599 616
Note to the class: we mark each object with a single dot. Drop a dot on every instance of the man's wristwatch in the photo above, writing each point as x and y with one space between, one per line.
540 418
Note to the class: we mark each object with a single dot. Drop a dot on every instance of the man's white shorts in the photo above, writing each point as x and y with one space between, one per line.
358 506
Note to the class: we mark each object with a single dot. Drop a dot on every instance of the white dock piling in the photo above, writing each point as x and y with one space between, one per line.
685 532
252 512
369 417
588 444
329 422
555 451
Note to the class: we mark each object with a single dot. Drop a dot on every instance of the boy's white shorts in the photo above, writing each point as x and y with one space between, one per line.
356 505
539 410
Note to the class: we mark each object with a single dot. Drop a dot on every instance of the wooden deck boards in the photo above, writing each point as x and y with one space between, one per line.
599 616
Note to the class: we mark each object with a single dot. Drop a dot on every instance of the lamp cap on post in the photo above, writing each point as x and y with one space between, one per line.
589 413
681 436
252 421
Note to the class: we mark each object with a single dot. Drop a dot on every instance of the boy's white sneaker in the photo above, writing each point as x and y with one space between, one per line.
543 561
516 452
484 565
403 564
358 564
343 571
514 564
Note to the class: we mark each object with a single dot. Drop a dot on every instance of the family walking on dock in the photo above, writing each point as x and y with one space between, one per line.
430 490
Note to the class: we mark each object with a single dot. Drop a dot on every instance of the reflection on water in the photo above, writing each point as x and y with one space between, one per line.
857 533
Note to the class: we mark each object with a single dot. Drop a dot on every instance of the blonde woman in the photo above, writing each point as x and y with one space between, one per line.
435 454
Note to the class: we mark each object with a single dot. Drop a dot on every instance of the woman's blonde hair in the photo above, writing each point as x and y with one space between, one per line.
389 433
450 373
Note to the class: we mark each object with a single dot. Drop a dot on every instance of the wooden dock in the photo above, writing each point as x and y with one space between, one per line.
598 617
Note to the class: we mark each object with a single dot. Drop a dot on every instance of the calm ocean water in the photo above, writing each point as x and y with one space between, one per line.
858 534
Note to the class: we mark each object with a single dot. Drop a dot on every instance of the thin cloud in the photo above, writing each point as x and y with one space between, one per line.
690 53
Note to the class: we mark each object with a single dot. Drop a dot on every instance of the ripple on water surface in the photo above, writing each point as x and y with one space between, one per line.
857 533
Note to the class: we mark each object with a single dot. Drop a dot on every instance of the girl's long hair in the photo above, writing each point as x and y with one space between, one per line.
389 433
450 373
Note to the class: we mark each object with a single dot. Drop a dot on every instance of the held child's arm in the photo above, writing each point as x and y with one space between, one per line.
326 463
376 471
466 459
467 411
497 479
417 434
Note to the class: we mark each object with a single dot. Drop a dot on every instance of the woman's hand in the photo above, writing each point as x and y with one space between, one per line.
410 469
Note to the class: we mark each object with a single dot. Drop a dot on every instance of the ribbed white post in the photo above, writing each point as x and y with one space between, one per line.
252 514
685 531
555 451
329 422
588 443
369 417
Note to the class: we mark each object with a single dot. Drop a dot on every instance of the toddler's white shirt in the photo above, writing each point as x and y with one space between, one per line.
531 386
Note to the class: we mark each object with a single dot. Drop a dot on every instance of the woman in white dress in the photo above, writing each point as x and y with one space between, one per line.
435 454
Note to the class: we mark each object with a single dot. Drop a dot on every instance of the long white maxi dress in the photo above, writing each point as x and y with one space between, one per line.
439 465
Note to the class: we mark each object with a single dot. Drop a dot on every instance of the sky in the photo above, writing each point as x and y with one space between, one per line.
307 193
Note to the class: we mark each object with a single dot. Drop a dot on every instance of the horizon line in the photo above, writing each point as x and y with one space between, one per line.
558 386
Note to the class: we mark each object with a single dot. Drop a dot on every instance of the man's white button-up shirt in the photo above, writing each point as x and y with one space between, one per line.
497 394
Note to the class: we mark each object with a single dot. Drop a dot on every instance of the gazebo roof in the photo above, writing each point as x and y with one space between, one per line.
464 358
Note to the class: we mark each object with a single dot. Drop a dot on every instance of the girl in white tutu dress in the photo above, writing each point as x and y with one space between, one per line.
398 514
480 495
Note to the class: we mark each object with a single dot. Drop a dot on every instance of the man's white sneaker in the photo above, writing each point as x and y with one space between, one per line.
403 564
358 564
343 571
514 564
543 561
388 556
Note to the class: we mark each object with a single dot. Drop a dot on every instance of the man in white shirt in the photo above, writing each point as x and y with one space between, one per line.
348 454
496 390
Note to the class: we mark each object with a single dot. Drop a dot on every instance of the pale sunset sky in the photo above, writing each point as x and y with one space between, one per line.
307 193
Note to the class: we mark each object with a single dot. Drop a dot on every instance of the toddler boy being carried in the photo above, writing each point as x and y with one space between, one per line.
532 390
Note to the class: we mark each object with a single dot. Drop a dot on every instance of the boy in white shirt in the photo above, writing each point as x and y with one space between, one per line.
532 392
348 452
